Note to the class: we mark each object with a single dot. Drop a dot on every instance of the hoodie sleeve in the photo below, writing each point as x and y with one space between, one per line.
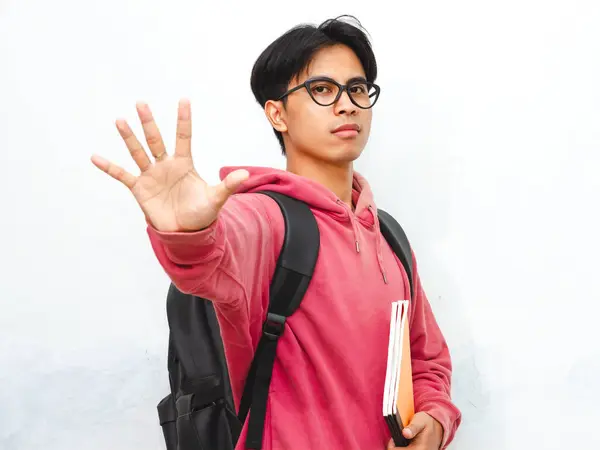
431 365
232 259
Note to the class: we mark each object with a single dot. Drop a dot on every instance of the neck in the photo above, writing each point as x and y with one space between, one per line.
336 178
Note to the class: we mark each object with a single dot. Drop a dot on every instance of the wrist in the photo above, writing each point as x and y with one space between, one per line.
438 430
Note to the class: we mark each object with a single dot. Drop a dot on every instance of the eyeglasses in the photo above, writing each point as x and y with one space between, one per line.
326 91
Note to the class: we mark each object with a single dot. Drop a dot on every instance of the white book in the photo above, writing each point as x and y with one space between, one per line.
398 399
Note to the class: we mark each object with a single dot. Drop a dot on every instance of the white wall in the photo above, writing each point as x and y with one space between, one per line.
484 145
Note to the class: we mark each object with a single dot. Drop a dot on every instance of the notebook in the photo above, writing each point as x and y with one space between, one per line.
398 400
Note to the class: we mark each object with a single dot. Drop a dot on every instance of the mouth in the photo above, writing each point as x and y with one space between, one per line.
347 131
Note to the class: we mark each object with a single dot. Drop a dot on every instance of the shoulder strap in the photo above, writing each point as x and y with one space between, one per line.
397 239
292 276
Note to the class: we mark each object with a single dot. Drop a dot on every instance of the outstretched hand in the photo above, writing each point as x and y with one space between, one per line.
169 190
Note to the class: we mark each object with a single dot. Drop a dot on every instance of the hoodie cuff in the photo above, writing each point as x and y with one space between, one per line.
188 248
441 415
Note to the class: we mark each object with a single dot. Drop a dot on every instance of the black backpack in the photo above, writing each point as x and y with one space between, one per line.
199 412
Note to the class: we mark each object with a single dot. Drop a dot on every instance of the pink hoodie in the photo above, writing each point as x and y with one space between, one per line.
328 379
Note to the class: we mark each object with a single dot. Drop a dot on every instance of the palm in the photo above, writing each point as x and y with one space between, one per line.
173 196
170 192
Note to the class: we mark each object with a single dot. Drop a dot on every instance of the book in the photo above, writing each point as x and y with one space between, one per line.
398 398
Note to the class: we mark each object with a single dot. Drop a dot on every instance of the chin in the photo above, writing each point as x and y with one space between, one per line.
336 153
344 154
351 149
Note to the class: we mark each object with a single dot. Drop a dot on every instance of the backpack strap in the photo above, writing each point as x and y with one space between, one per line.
397 239
292 276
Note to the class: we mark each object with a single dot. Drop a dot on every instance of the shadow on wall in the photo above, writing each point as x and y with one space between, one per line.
81 407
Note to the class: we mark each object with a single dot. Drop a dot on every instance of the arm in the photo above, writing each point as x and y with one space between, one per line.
431 365
232 258
228 257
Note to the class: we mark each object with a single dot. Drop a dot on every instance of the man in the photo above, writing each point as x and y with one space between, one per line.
316 85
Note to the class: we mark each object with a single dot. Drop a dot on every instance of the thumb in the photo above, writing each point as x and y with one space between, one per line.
229 185
417 424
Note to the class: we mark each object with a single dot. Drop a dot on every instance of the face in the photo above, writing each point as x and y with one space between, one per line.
309 129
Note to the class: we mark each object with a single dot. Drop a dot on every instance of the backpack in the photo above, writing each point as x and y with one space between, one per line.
199 412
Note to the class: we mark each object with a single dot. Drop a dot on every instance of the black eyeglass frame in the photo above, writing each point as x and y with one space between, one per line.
341 89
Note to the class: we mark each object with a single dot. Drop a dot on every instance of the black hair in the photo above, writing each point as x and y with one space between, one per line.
293 51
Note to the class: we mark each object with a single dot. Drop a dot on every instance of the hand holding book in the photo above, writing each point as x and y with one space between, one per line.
424 433
418 431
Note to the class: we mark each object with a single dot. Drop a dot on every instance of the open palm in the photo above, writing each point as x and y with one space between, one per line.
169 191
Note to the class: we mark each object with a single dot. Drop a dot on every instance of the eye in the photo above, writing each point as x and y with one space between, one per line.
358 89
321 89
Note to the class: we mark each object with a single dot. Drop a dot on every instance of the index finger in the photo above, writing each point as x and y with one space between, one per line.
183 144
117 172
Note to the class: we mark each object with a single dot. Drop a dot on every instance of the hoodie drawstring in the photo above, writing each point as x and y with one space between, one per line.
379 245
355 229
354 226
378 250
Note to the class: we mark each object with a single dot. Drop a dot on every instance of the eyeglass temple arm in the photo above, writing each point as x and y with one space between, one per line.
294 89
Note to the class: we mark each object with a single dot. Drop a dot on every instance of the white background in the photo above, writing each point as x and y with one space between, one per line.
484 145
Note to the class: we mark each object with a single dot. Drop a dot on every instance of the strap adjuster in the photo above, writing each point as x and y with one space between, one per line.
273 326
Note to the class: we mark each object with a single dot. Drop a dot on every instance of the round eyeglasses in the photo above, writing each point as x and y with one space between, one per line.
325 91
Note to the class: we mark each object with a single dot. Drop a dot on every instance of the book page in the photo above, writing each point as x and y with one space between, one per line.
404 404
397 362
388 393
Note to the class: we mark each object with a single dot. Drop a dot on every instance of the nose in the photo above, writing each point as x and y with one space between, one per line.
345 106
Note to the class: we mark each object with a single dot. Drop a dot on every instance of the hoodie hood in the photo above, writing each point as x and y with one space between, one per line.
310 192
320 198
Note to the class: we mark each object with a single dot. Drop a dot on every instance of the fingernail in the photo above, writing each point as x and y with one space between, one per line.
97 159
408 434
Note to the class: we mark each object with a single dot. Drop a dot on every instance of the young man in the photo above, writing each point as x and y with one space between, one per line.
222 243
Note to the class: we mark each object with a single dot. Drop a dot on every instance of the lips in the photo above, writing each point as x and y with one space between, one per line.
347 127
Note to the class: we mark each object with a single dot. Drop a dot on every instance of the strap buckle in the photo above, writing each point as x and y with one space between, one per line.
273 326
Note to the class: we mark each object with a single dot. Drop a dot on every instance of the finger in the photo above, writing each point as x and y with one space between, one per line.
417 424
117 172
136 150
183 144
229 185
153 137
413 445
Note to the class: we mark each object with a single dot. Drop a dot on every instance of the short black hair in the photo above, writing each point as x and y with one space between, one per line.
293 51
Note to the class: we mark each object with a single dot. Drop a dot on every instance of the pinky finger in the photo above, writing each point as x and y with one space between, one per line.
117 172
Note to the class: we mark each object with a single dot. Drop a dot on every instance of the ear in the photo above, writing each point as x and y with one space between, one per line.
276 114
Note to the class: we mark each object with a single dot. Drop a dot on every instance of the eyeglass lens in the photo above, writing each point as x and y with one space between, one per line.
325 92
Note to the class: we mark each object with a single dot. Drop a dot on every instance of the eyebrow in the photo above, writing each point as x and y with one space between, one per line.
349 81
354 79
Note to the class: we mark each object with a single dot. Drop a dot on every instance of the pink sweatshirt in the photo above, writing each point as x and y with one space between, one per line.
328 378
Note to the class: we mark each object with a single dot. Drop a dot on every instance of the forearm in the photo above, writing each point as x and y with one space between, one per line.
432 366
223 261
